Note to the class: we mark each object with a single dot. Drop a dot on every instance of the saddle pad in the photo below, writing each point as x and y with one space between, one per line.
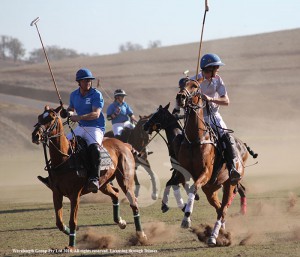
106 161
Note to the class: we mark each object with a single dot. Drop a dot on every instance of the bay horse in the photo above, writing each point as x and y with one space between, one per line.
139 139
162 119
64 181
198 154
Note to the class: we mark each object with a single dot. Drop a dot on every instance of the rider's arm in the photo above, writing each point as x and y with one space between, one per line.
94 114
133 119
222 100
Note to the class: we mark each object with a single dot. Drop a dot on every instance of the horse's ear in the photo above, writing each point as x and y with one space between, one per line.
167 106
160 106
47 108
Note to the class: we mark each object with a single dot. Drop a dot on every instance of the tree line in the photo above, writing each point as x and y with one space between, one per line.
12 48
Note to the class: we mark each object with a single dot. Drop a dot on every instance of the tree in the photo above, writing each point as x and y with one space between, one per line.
154 44
15 48
54 53
3 46
128 46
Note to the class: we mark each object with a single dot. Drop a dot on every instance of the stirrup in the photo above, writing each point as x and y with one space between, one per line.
93 185
234 175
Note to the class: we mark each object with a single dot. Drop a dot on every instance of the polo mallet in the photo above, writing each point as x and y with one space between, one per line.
34 22
200 45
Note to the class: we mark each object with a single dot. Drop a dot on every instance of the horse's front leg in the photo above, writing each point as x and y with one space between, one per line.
165 200
221 213
58 206
186 222
73 219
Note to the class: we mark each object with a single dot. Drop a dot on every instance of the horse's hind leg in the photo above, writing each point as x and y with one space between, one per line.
242 192
111 191
137 185
125 178
146 165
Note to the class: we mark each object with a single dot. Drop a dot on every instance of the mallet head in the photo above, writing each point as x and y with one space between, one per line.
206 6
34 21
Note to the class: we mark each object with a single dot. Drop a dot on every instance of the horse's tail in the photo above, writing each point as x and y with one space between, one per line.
254 155
133 151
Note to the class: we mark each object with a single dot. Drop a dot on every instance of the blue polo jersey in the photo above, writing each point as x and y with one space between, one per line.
84 104
125 112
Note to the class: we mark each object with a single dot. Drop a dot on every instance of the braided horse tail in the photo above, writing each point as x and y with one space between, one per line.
254 155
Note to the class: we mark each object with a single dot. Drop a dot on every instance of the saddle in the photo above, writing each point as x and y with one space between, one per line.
80 161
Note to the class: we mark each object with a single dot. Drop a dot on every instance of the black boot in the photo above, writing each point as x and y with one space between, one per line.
230 155
44 180
94 172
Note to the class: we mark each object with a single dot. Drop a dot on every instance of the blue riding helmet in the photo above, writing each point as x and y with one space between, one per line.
210 60
84 73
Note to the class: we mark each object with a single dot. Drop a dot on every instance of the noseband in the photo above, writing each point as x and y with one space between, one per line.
45 132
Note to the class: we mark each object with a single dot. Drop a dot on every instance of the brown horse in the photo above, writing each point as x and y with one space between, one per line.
64 181
198 154
162 119
139 139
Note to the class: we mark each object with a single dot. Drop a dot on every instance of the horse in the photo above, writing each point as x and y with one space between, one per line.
65 181
139 139
197 153
165 120
162 119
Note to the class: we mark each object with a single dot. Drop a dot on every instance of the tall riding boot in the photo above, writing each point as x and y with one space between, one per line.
94 172
230 155
44 180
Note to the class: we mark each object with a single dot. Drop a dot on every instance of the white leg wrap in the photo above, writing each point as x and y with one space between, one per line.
223 225
190 203
178 198
217 227
165 199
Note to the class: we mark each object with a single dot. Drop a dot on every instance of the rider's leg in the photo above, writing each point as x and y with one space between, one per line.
94 137
230 156
94 172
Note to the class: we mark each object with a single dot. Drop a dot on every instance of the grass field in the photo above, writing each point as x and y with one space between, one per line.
270 228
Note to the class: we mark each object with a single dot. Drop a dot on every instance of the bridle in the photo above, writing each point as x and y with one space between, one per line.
185 99
46 134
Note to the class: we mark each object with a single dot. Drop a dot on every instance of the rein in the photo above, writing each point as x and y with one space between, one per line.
47 140
194 107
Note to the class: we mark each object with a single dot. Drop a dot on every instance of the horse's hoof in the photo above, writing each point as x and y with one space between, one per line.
211 241
122 224
142 237
70 249
154 196
186 222
164 208
197 197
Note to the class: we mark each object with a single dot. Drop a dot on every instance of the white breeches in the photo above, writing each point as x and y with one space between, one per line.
118 127
91 135
216 122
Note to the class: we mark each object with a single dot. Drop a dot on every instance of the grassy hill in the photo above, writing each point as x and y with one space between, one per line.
261 74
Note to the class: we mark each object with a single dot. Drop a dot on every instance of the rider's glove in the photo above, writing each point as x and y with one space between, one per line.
64 113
